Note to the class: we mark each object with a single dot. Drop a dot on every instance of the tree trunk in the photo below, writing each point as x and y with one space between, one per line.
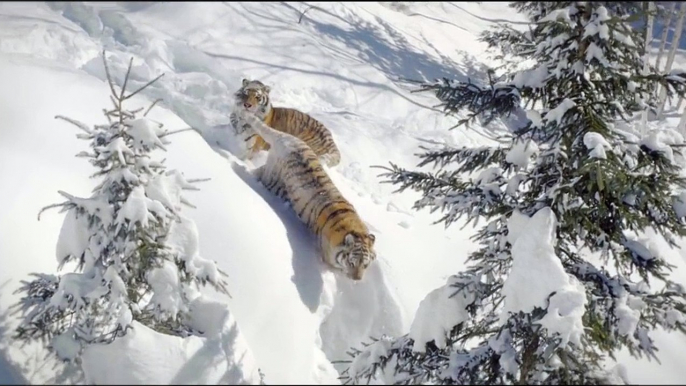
665 32
528 360
681 127
649 39
670 60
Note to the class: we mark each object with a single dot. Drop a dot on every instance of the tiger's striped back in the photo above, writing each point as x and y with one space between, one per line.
254 97
293 171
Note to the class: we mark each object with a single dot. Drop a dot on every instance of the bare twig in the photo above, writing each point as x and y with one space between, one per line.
107 73
114 102
178 131
52 206
109 119
144 87
126 79
138 110
151 106
305 11
78 124
194 180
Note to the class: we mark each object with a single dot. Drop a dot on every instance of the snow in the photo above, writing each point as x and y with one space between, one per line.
166 289
521 152
658 140
139 209
73 239
341 64
597 144
556 15
534 78
66 346
145 357
537 273
145 133
627 317
438 313
558 113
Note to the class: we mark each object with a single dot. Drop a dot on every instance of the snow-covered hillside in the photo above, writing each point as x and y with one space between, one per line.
343 63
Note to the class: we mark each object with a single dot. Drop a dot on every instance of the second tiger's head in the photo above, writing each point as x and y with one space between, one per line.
253 96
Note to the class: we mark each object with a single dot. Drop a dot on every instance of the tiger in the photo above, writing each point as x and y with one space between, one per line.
293 171
254 97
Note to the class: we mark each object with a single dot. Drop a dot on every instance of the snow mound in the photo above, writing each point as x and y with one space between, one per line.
144 356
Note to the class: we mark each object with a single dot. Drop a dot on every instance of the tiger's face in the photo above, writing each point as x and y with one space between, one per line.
355 254
253 96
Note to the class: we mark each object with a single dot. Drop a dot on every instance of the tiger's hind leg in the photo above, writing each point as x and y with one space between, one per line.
271 180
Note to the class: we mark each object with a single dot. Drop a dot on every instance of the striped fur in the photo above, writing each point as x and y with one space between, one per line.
294 172
254 97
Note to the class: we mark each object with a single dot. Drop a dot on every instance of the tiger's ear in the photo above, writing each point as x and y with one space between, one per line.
372 238
245 82
267 89
349 240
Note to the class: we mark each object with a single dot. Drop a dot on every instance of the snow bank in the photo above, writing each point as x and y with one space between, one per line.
144 356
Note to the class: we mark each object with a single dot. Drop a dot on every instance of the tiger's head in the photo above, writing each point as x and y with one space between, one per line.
355 254
253 96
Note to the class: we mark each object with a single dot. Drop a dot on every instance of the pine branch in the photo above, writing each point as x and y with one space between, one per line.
495 101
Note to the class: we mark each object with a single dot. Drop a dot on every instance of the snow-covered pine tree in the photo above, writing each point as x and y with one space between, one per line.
565 276
123 239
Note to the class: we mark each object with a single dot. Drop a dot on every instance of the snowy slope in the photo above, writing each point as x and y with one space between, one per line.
343 63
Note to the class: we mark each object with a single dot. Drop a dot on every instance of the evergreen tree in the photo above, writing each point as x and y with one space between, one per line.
121 239
575 170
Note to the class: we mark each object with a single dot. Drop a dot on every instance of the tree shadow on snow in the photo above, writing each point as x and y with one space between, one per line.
380 45
10 373
377 44
213 353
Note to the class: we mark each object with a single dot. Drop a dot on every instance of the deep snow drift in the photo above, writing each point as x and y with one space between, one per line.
341 63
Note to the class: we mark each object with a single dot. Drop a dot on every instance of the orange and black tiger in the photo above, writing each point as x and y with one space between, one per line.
253 97
293 171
